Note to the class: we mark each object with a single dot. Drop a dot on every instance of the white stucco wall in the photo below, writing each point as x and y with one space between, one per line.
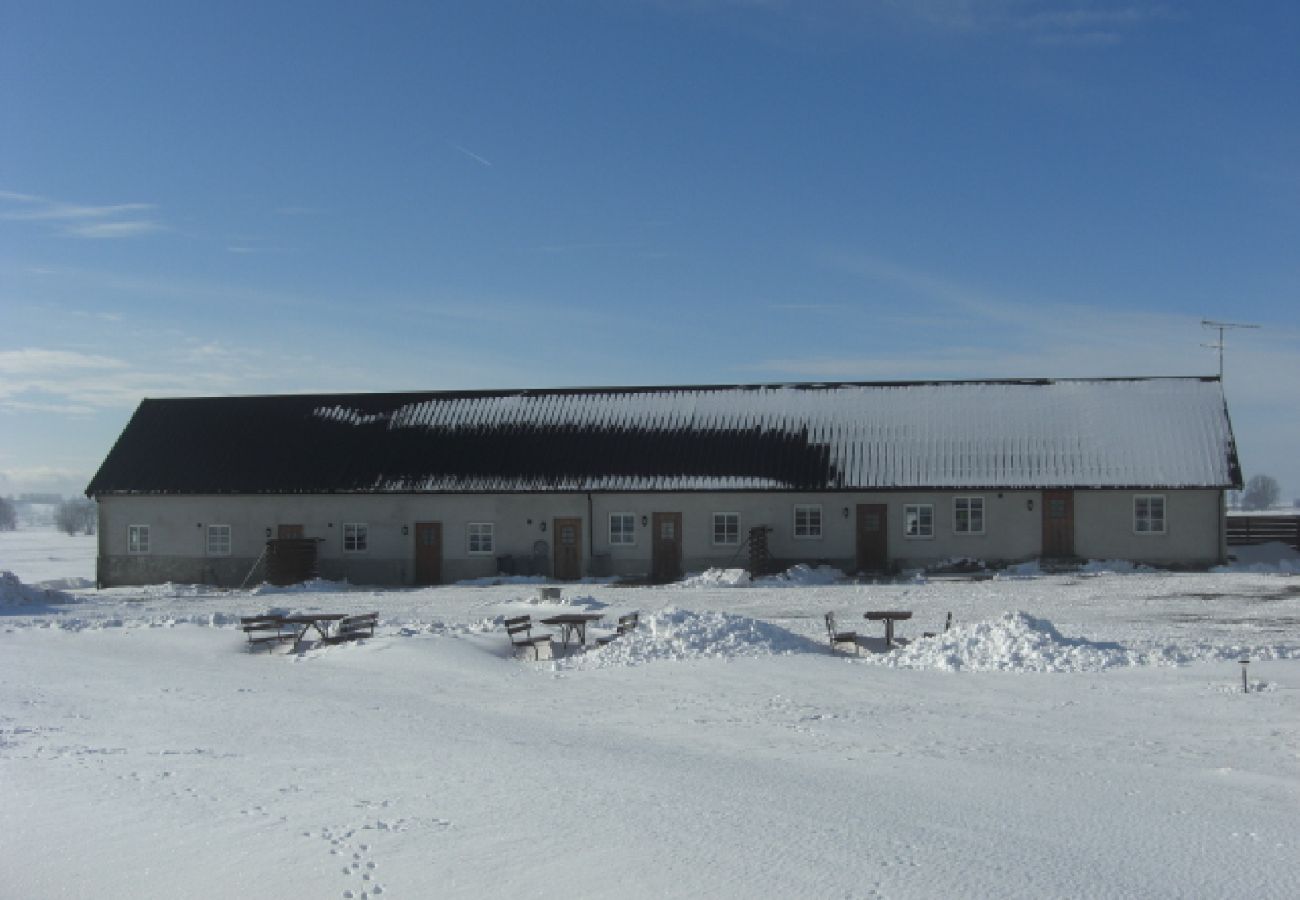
1012 530
1193 527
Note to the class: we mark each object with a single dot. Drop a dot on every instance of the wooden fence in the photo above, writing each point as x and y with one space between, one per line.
1263 529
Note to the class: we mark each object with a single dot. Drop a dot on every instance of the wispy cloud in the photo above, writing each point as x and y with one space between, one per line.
1052 22
470 153
110 221
1010 335
35 360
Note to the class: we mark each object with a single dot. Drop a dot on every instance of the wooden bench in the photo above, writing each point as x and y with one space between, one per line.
946 625
840 637
520 631
626 624
354 628
268 630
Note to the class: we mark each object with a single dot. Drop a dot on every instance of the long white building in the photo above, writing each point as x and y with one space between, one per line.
424 488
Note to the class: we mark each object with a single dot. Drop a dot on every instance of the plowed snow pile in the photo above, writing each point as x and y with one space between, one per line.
14 593
1015 642
675 634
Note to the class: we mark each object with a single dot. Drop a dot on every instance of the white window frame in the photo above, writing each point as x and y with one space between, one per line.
214 530
137 540
808 532
724 542
358 535
921 511
1139 519
972 503
481 538
623 537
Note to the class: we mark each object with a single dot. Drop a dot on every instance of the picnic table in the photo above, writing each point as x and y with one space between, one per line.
306 621
571 624
889 617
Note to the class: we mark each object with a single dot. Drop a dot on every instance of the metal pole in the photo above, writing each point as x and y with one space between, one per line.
1222 327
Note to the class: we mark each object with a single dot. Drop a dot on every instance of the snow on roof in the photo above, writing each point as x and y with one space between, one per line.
1146 432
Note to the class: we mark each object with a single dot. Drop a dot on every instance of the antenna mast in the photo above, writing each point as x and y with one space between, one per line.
1222 327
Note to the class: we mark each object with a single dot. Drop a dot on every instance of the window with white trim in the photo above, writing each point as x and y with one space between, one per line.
808 522
1149 514
356 537
918 520
137 539
968 515
622 529
726 529
218 540
481 537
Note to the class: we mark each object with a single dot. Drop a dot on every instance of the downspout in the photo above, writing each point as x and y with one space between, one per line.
99 545
1223 527
591 536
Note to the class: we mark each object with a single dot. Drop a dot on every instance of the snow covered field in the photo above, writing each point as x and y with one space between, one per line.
1080 735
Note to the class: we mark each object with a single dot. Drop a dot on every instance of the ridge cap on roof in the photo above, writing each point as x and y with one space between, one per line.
685 388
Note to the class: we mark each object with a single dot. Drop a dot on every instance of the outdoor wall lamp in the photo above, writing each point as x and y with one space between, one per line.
406 529
268 532
645 520
542 526
846 512
1029 504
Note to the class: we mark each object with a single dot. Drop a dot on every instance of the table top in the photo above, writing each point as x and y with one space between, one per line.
896 614
311 617
572 618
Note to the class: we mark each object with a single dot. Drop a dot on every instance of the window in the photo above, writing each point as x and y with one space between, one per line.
356 537
137 539
968 515
808 522
1149 514
218 540
726 528
621 527
482 537
918 520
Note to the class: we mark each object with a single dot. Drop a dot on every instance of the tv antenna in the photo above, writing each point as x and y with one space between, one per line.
1222 327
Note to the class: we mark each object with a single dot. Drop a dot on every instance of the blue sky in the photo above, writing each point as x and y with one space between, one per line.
243 198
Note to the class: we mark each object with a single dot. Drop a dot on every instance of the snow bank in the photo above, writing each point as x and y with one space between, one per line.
1019 642
313 586
1015 642
802 576
678 634
14 593
717 578
66 584
573 601
1273 557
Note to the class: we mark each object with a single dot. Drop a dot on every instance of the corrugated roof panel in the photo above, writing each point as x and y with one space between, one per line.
1163 432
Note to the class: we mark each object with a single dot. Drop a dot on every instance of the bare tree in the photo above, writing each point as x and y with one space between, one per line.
8 515
77 516
1262 492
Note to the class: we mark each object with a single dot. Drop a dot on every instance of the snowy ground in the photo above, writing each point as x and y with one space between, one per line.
1082 735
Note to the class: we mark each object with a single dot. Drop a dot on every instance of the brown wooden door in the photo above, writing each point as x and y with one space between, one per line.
1058 524
289 532
428 553
666 546
568 549
873 537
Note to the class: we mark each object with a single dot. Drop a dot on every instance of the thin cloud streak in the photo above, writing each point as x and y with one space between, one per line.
117 220
470 153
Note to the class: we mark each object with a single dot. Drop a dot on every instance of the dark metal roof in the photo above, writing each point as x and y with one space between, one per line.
1170 432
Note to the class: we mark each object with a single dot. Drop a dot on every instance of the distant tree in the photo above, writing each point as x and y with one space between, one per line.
8 515
1262 492
77 516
